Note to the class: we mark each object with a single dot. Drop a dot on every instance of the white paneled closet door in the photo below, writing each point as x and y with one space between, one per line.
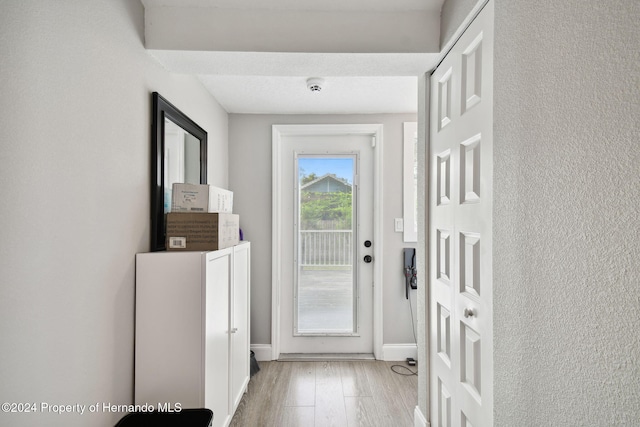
461 314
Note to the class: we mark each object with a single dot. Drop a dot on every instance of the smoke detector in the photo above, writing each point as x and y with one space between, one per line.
314 84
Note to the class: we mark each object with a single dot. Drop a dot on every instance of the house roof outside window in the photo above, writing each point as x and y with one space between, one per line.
327 183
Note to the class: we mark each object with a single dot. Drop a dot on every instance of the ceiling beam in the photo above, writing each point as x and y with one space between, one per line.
251 30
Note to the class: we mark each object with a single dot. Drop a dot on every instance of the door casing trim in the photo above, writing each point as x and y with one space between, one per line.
278 133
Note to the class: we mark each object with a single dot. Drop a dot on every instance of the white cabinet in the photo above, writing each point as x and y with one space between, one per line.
192 329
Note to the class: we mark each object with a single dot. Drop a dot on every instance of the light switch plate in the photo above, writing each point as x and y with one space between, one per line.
399 225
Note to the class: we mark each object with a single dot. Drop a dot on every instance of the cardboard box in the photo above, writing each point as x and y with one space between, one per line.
202 231
189 198
200 198
220 200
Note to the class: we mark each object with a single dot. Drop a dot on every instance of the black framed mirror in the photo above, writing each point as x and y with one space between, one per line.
178 154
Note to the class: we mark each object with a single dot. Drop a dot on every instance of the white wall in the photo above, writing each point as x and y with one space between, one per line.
454 14
250 179
566 216
74 177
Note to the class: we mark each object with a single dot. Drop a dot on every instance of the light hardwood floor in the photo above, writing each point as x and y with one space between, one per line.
318 394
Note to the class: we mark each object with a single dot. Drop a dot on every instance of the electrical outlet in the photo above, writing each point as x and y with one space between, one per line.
399 225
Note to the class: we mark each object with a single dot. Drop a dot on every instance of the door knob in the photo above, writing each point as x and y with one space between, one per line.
468 312
368 259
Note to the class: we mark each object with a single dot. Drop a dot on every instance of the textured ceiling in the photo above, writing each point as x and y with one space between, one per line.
275 82
290 95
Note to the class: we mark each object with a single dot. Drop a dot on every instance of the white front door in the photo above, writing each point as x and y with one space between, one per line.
460 282
326 294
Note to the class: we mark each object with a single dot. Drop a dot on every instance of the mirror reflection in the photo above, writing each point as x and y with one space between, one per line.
178 154
181 159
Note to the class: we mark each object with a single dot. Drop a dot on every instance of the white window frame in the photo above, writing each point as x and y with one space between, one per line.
409 182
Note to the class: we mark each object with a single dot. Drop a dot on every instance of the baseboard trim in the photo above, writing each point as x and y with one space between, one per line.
325 357
419 420
397 352
262 352
390 352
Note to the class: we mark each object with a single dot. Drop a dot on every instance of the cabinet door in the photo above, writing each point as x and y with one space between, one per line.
169 329
240 323
216 309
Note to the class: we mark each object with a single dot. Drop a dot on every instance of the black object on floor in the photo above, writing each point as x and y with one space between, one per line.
253 365
184 418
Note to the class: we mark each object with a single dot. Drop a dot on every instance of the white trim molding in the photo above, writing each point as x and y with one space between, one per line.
397 352
409 190
419 420
263 352
280 131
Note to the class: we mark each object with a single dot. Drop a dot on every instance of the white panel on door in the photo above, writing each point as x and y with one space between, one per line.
444 100
444 399
470 358
470 263
464 422
470 170
444 334
472 74
444 256
444 178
